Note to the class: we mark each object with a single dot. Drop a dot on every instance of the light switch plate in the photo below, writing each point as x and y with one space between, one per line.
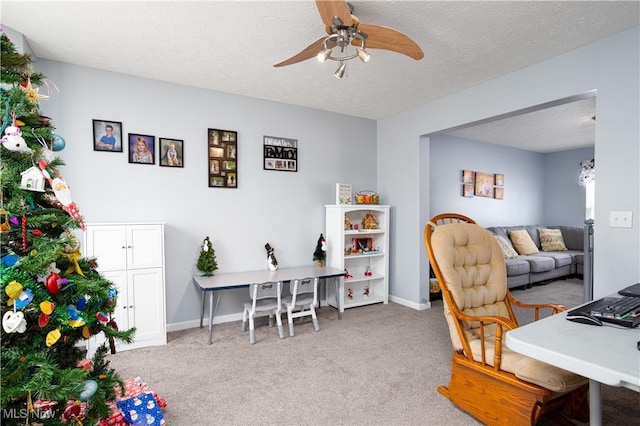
620 220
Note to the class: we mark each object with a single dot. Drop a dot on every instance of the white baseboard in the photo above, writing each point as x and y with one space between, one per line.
218 319
408 304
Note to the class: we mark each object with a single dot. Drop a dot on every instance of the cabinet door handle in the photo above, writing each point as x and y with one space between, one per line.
130 306
123 247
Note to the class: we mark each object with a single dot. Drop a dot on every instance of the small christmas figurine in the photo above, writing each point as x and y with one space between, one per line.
350 294
367 272
366 292
207 261
320 255
347 274
271 258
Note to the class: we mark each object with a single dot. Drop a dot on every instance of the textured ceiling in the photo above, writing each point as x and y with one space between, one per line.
231 46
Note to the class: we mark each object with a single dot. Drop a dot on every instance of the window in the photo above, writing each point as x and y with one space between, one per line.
590 199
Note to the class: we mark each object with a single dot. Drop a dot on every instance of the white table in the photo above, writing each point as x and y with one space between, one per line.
233 280
606 354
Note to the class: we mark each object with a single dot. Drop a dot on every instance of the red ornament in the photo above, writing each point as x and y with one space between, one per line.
53 283
43 319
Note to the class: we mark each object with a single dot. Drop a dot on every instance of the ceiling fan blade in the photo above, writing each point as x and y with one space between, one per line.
309 52
380 37
330 8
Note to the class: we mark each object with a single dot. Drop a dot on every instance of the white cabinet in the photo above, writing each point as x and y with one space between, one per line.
363 253
132 257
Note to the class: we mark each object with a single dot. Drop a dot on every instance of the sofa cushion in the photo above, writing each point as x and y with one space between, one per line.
540 263
517 266
551 240
573 236
522 242
559 257
507 249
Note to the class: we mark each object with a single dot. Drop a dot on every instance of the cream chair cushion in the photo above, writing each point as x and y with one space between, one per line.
473 268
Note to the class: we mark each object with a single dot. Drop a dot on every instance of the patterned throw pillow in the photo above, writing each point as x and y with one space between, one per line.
551 240
522 242
507 249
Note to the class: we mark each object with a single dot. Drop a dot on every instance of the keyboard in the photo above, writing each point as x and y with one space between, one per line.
624 310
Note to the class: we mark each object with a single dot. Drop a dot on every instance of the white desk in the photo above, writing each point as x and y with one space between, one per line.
232 280
606 354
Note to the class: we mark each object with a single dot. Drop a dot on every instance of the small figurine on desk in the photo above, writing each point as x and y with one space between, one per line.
320 254
271 258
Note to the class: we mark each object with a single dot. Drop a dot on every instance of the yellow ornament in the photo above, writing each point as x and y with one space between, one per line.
53 337
76 323
86 332
46 307
13 290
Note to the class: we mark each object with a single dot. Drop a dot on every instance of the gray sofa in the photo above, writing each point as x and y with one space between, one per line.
544 265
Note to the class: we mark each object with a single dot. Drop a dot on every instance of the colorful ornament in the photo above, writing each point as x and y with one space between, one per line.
8 260
86 332
47 307
54 283
58 143
90 388
43 320
33 93
102 317
14 322
32 179
53 336
24 299
13 290
62 192
13 140
74 317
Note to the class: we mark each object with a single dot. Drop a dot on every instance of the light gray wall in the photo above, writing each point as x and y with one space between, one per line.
610 66
564 201
523 185
538 188
283 208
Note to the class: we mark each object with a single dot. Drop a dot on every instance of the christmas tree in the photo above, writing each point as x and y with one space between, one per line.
207 260
320 253
52 298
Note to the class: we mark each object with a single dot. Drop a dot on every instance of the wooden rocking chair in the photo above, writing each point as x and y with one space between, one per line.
490 382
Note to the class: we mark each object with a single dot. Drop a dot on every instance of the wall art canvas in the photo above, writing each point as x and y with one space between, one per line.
484 185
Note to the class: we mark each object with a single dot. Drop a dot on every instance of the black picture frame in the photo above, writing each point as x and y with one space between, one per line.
222 151
101 136
171 152
280 154
142 156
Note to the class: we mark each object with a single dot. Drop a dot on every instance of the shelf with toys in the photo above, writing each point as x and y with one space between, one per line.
358 242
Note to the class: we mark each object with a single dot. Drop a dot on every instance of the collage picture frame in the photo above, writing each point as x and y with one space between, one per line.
223 158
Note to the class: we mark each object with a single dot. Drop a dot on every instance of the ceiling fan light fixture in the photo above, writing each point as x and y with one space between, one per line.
324 55
363 55
341 70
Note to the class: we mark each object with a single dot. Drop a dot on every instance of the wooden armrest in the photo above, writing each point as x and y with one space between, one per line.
537 306
502 323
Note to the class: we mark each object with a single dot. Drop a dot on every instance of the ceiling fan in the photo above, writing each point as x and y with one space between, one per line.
345 29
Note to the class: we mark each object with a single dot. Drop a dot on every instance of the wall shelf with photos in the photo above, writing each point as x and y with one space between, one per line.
223 158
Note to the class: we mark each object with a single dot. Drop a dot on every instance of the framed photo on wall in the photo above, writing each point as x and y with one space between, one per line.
467 190
171 152
499 179
142 149
107 136
280 154
222 149
484 185
467 176
499 193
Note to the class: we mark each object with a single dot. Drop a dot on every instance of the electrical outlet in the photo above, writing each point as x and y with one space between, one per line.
620 220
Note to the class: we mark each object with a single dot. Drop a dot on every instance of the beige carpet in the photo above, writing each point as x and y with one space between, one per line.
379 365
